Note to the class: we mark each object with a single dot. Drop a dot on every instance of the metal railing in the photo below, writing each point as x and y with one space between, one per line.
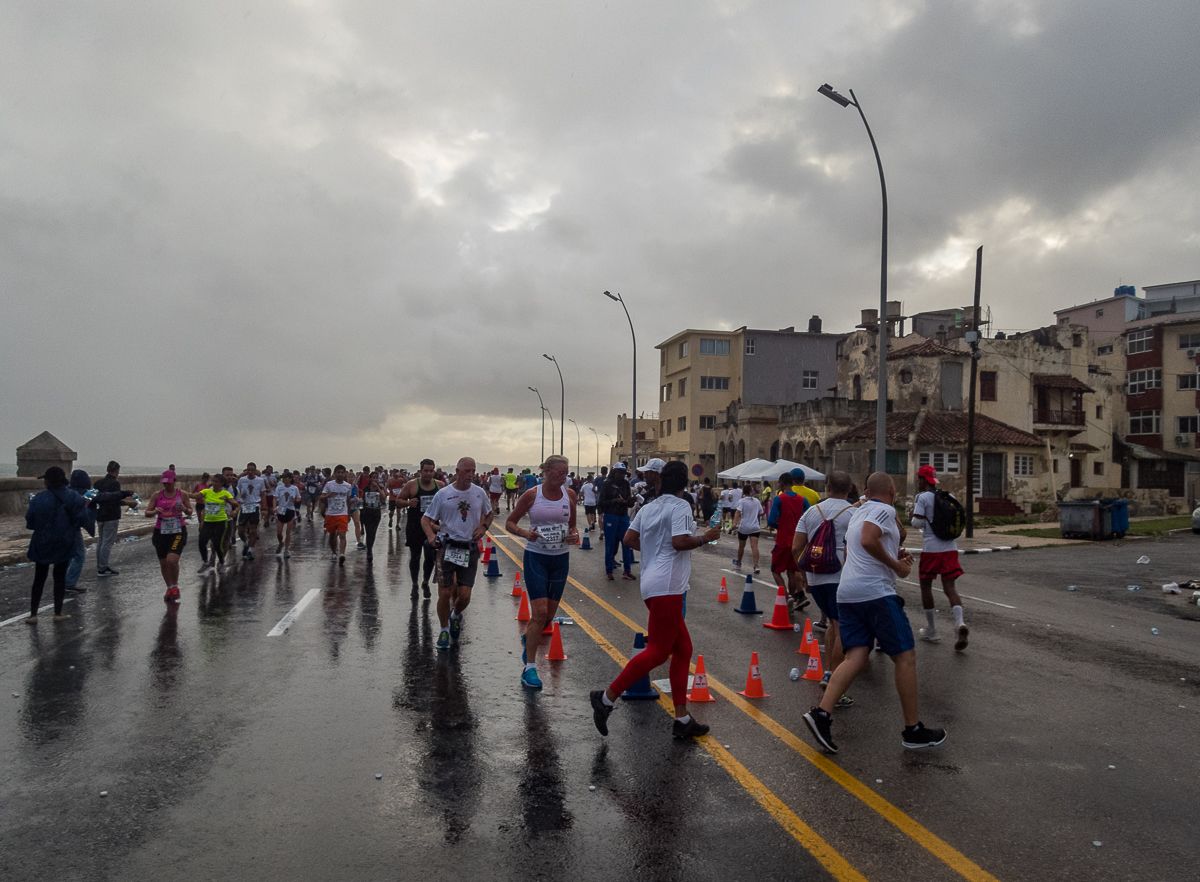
1050 416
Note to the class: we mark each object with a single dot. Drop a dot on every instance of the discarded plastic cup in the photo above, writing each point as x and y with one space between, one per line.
1135 587
1154 630
378 777
794 673
1172 588
1072 587
1097 843
591 787
1143 559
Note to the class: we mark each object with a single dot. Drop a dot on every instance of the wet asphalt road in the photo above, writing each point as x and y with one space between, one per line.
226 752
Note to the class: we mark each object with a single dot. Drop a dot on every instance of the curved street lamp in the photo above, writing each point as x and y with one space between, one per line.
562 408
594 432
576 425
610 441
543 407
881 405
633 437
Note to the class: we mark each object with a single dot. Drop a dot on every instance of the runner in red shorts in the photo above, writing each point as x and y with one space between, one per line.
939 557
785 513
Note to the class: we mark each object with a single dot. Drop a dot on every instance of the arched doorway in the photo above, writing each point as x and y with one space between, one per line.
741 452
774 451
787 450
858 387
721 457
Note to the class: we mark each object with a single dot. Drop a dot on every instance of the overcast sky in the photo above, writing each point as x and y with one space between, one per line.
335 230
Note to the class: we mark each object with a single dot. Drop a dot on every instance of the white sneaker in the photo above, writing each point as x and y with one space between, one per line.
930 636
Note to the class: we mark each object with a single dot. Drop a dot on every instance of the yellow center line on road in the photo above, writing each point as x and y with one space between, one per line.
811 841
924 837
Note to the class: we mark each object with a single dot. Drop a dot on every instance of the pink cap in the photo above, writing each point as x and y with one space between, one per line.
168 477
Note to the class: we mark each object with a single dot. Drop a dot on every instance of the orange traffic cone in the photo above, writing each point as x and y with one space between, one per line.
549 629
754 687
700 683
815 671
723 597
517 589
487 552
523 613
556 649
481 546
808 640
779 618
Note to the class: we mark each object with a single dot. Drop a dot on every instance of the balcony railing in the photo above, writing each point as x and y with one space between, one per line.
1049 416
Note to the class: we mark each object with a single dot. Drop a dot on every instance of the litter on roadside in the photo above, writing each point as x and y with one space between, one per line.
1135 587
1171 588
1143 559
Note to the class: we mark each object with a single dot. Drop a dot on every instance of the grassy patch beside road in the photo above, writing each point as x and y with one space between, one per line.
1155 527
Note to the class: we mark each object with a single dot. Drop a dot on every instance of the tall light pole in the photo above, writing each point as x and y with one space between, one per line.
594 432
543 407
610 441
562 407
546 412
881 404
633 437
576 425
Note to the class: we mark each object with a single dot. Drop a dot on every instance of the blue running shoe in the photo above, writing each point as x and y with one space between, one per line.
443 640
530 680
455 627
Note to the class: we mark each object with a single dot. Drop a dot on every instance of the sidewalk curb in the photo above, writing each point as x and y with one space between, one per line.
11 558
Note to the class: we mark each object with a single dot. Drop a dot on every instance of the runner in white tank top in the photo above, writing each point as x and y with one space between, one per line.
551 509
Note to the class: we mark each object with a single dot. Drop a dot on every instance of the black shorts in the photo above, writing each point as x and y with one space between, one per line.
465 576
286 516
589 509
169 543
248 517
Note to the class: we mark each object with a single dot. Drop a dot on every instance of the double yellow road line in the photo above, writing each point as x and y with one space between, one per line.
831 859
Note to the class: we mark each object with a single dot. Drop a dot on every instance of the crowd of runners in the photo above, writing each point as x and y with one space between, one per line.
843 551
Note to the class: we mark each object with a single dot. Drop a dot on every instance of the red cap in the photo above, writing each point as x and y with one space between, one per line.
927 472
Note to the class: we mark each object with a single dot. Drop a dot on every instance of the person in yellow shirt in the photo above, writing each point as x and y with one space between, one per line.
808 493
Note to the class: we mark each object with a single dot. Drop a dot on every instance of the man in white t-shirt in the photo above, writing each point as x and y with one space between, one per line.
662 531
746 516
939 557
251 493
723 504
823 587
870 611
336 496
464 513
589 500
735 498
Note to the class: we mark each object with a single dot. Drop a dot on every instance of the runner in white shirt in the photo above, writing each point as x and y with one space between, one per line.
251 493
869 611
663 532
746 516
589 500
336 496
287 509
270 482
939 557
464 513
823 587
724 504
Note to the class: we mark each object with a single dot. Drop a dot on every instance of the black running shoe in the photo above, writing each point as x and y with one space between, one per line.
415 590
425 589
819 723
690 729
601 711
918 736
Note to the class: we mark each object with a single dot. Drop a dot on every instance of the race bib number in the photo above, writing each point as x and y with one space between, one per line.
425 500
249 508
169 526
460 557
213 508
551 536
313 488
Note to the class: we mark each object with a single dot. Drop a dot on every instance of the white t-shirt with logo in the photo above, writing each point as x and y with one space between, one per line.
339 503
664 570
751 511
589 493
250 491
810 522
286 498
735 496
923 518
863 577
459 511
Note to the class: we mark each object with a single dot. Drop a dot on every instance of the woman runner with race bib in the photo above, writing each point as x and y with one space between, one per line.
551 509
170 506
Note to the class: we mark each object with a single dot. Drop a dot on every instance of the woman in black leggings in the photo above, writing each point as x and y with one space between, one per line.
372 510
55 516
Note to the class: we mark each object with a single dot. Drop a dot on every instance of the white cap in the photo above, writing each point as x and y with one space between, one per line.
654 465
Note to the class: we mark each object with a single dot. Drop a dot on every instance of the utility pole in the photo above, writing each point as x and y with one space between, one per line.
972 338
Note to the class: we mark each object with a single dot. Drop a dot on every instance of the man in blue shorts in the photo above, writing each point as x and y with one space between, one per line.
869 610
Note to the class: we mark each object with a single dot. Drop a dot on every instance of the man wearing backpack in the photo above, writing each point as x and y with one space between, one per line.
819 547
934 513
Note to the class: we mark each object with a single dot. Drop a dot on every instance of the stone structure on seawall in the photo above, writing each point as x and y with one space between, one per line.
41 453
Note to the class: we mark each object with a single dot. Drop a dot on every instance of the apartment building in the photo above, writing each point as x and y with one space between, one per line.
701 372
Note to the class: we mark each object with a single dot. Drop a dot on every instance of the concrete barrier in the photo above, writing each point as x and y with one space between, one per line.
14 492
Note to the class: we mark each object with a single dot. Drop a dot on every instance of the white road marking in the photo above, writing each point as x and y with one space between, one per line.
759 581
23 616
960 594
286 622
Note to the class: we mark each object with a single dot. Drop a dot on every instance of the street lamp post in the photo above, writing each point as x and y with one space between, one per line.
562 407
576 425
543 407
594 432
610 441
633 437
881 404
547 412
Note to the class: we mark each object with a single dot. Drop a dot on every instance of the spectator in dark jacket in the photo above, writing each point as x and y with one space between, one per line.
55 516
107 505
615 499
81 483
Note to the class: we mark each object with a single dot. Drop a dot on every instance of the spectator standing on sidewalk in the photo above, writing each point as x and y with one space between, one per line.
81 483
107 505
55 516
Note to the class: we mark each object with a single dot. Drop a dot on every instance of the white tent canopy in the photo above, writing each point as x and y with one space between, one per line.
760 470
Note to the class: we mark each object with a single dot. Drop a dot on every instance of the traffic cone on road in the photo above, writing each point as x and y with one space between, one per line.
723 597
586 545
700 683
815 671
807 641
779 618
748 608
556 648
517 589
523 613
754 686
493 566
643 689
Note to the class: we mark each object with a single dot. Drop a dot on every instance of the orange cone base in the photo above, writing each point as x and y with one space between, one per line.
779 617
